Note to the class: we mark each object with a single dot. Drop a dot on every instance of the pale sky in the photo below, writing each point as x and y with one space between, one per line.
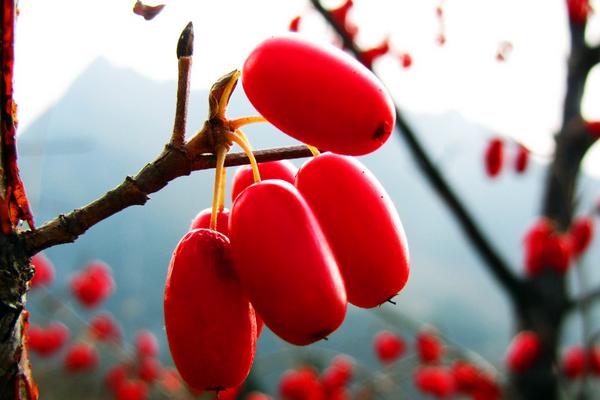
521 98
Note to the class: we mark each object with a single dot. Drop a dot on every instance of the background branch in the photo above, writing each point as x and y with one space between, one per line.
497 265
585 300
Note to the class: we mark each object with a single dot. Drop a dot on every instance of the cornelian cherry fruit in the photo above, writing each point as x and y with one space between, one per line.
202 220
210 325
388 346
146 344
494 157
285 264
523 351
47 341
429 347
581 233
243 178
573 362
434 380
44 271
361 224
318 95
301 384
93 285
104 328
81 357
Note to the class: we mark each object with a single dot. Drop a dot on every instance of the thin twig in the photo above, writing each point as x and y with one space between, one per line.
497 265
185 49
585 300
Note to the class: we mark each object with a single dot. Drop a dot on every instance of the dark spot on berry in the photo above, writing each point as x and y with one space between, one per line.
379 132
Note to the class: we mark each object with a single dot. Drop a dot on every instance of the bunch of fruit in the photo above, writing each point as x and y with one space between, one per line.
297 246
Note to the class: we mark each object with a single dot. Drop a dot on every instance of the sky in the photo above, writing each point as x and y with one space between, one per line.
519 98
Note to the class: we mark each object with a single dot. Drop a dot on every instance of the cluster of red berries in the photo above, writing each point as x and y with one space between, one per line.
341 17
494 157
578 361
431 376
547 248
297 247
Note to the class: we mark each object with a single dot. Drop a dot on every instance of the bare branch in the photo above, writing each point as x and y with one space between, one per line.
172 163
497 265
584 300
185 49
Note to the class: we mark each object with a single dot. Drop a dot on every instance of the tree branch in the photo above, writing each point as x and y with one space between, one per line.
584 300
172 163
497 266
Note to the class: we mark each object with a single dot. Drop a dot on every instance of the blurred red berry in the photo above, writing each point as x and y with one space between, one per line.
170 380
146 344
116 376
93 285
367 57
494 157
388 346
132 390
522 159
44 271
405 60
338 374
301 384
581 232
535 241
436 381
429 347
258 396
104 328
579 10
558 253
150 369
594 360
523 351
593 128
340 15
228 394
573 362
81 357
295 24
47 341
466 376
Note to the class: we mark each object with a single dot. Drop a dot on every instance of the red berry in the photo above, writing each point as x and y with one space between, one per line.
81 357
338 104
581 232
522 159
436 381
361 224
466 376
146 344
429 347
593 128
301 384
406 60
243 178
44 271
202 220
132 390
93 285
150 369
573 362
523 351
369 56
228 394
104 328
210 325
116 376
594 360
388 346
295 24
258 396
558 253
579 10
494 157
338 374
47 341
170 380
535 242
285 264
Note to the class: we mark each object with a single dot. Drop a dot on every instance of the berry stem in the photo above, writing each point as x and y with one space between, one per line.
315 152
237 123
222 190
221 153
238 138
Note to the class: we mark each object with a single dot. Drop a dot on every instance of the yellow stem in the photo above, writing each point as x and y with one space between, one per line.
237 138
222 190
227 94
315 152
239 122
221 153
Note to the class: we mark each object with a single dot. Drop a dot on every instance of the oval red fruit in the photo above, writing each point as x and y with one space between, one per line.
210 325
581 233
361 224
573 362
429 347
104 328
388 346
523 351
202 220
93 285
494 157
146 344
132 390
44 271
338 374
285 263
301 384
47 341
243 178
436 381
522 159
81 357
318 95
